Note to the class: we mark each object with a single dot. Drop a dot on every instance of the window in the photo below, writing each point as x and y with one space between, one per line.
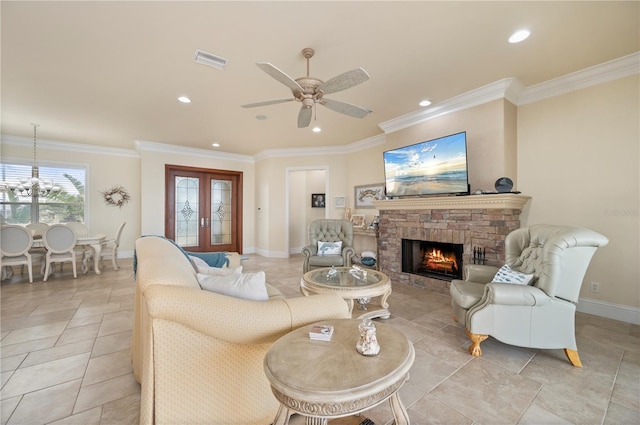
64 206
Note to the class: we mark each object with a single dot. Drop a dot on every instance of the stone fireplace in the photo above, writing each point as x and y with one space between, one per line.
472 222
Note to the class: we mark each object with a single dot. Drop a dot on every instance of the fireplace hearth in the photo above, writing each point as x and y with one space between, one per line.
433 259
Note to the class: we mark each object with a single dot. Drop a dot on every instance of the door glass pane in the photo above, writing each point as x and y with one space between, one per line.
221 217
187 210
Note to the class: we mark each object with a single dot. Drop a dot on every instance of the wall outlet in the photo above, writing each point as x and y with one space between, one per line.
595 287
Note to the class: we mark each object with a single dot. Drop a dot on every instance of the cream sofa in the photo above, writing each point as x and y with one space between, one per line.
199 355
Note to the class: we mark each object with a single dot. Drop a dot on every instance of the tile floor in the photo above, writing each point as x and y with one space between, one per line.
66 347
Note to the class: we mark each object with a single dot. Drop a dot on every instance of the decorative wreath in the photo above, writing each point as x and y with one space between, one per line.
116 196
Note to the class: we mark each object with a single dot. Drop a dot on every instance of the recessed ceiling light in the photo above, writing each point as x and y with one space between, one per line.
261 117
316 129
184 99
215 145
424 102
519 36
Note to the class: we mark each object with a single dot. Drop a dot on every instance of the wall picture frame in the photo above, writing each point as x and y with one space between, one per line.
318 200
339 202
357 220
365 195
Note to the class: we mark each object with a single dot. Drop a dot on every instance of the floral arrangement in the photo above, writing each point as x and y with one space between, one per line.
116 196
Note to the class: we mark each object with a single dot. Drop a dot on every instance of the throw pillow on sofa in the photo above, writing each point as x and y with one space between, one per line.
507 275
329 248
249 286
201 266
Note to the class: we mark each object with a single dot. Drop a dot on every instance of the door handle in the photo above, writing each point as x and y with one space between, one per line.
207 219
201 221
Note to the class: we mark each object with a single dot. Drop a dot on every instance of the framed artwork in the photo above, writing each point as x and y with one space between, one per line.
317 200
357 220
339 202
366 194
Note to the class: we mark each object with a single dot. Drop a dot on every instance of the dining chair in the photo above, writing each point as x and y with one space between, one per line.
16 241
37 230
82 252
109 249
60 242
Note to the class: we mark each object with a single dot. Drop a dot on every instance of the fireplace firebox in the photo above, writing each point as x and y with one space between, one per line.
433 259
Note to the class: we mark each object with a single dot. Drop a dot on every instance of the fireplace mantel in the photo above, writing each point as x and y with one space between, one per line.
490 201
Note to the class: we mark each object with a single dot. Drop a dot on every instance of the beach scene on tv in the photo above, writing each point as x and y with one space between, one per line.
429 168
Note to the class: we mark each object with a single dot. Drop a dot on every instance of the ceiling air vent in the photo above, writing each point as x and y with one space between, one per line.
209 59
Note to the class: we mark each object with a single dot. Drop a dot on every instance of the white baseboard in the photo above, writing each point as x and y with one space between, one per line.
272 254
624 313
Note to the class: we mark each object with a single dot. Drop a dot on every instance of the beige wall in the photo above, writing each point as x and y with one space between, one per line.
272 223
104 170
578 160
491 152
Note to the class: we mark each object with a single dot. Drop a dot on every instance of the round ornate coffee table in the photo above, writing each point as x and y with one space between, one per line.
350 286
330 379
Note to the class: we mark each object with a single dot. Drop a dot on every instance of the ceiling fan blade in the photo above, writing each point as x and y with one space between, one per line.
279 75
304 117
345 108
267 102
344 81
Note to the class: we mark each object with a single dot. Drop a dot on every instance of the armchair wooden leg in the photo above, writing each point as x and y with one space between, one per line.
573 357
476 339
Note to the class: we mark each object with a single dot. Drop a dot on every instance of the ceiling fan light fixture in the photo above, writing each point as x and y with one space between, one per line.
316 129
209 59
519 36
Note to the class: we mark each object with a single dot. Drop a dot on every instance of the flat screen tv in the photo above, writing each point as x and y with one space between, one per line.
434 167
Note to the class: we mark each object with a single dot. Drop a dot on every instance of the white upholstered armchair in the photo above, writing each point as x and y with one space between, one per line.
328 231
540 314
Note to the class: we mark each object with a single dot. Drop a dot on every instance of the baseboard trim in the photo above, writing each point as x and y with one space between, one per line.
624 313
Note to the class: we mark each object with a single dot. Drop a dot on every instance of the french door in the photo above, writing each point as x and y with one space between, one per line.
204 208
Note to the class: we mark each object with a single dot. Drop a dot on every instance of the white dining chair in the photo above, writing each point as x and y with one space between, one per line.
37 230
16 242
109 250
60 242
82 231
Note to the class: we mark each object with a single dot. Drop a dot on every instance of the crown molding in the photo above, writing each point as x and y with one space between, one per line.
506 88
514 91
598 74
68 146
322 150
142 146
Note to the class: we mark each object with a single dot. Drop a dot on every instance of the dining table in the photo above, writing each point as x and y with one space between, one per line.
95 242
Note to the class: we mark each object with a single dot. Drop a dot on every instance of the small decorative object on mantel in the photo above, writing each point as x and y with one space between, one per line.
368 343
117 196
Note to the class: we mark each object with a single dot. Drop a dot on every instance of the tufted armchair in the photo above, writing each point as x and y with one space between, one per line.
328 231
538 315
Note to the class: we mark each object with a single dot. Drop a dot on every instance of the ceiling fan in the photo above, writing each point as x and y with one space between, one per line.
310 91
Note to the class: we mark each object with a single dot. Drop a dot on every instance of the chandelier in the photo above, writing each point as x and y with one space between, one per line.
35 186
